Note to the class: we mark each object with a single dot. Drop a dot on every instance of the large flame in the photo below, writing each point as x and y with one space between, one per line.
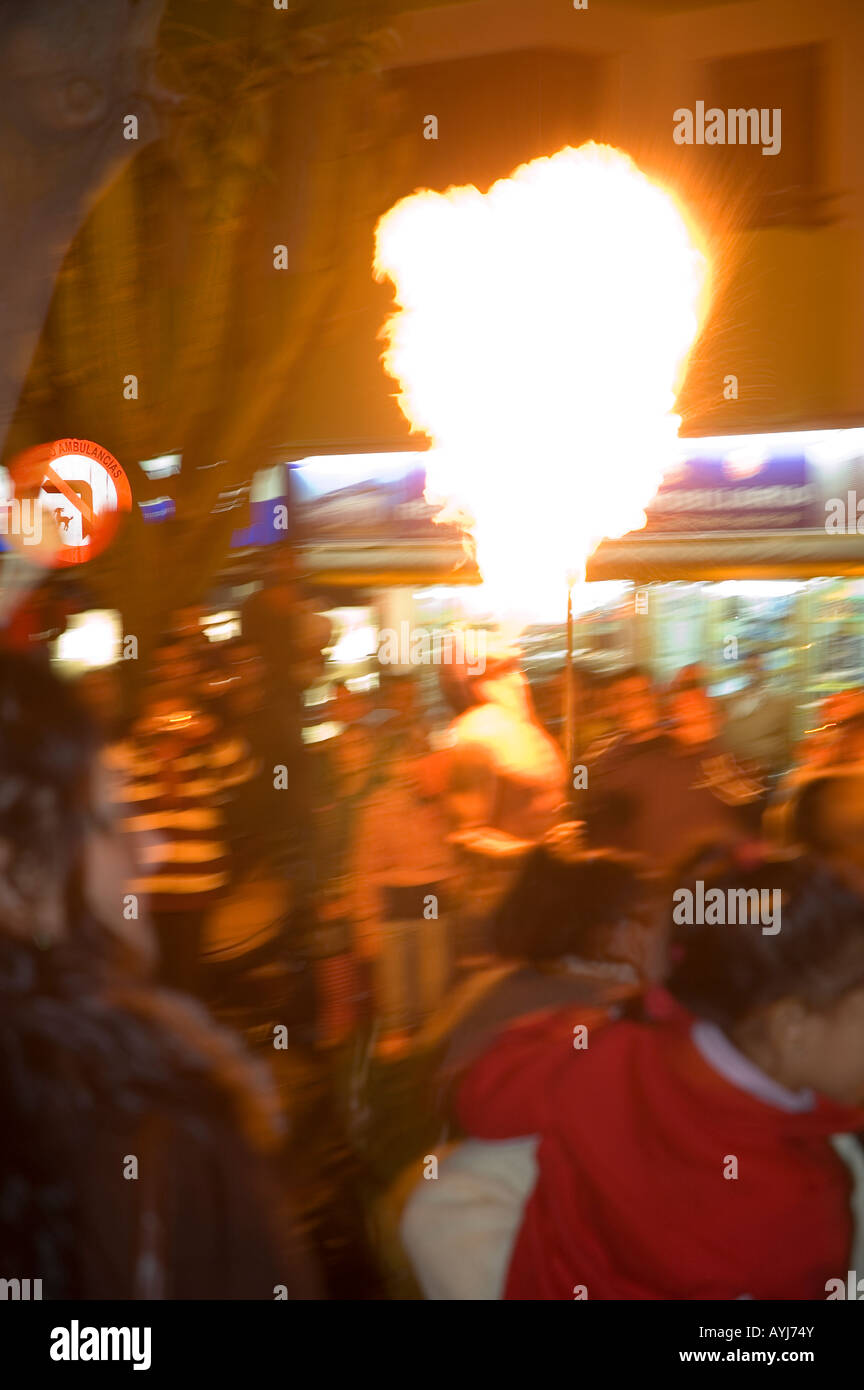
540 337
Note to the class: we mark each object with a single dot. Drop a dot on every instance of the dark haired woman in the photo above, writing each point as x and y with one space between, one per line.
134 1159
691 1159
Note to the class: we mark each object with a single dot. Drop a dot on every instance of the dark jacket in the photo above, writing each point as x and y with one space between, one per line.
659 799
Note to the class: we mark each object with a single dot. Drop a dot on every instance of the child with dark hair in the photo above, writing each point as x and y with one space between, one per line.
691 1158
566 905
575 928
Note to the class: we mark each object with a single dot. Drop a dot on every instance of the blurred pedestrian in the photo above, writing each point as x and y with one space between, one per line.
103 1077
656 791
403 881
824 815
504 785
180 770
758 725
346 770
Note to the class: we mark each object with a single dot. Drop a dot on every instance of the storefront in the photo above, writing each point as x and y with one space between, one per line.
386 572
751 546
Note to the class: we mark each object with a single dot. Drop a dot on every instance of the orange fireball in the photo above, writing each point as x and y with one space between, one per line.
540 337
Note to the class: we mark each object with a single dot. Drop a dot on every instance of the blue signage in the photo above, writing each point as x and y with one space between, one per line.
774 493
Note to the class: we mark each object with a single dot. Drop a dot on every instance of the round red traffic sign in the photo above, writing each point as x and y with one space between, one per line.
71 493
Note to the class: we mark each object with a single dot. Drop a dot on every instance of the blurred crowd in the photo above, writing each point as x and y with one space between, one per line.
404 1011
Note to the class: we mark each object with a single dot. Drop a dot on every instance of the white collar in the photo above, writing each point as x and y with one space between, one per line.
723 1057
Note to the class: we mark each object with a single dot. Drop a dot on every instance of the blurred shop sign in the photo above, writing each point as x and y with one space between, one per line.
772 493
365 496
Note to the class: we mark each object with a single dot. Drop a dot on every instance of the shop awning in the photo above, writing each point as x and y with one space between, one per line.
355 563
799 554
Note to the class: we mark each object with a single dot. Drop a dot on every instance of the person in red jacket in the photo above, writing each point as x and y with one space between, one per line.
690 1158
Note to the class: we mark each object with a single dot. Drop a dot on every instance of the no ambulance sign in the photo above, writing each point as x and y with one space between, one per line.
68 497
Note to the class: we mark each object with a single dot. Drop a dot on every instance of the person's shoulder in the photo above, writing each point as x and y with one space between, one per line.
546 1027
633 1049
229 1079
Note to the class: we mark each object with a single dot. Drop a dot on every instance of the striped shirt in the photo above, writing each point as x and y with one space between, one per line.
174 806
